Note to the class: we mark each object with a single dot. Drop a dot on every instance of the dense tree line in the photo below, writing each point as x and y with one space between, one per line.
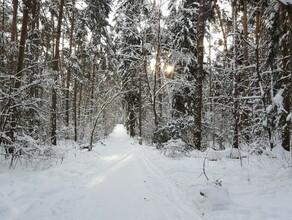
211 73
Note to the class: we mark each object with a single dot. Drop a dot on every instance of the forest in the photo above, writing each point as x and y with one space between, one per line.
206 74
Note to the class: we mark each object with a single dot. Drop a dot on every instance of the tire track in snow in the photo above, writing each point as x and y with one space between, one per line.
171 190
122 191
97 175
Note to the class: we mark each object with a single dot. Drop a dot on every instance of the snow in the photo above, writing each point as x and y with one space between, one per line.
289 117
286 2
278 100
121 180
214 155
216 197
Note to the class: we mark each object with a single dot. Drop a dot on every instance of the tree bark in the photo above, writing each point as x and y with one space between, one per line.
56 73
68 80
140 109
235 82
14 33
199 75
156 70
245 114
285 66
75 110
20 63
289 87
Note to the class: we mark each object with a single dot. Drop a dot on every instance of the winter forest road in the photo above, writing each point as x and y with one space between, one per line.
121 180
116 181
129 186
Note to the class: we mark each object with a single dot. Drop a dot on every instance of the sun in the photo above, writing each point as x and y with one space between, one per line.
168 70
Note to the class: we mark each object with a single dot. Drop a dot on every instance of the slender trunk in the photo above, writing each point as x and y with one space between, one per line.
14 33
235 82
56 72
245 115
2 27
23 36
75 110
245 33
68 80
103 107
289 86
156 70
92 89
33 59
199 76
285 67
259 77
3 15
75 97
140 109
218 11
20 63
131 96
79 104
198 112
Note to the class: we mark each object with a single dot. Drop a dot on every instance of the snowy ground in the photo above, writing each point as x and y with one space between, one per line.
121 180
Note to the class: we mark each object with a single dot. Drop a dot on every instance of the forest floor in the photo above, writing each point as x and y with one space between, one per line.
121 180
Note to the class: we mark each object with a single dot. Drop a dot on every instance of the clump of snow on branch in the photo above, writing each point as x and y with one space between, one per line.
286 2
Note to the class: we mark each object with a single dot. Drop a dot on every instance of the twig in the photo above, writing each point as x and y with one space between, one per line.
204 167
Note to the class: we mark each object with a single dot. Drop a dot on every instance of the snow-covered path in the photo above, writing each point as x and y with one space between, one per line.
121 180
127 185
117 182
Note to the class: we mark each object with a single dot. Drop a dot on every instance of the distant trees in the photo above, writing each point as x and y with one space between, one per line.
46 62
56 73
128 52
183 55
186 27
259 71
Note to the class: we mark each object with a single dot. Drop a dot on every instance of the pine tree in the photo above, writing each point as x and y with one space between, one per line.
128 43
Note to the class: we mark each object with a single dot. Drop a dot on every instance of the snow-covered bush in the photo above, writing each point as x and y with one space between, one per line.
214 155
175 148
178 128
33 153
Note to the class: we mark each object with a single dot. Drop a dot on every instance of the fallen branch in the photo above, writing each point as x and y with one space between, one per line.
204 167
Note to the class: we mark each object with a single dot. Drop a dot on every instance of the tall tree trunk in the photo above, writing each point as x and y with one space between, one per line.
156 70
285 83
79 103
259 77
34 59
56 72
75 110
131 121
288 106
20 64
245 33
76 85
14 33
245 114
199 75
235 81
218 11
140 109
68 80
